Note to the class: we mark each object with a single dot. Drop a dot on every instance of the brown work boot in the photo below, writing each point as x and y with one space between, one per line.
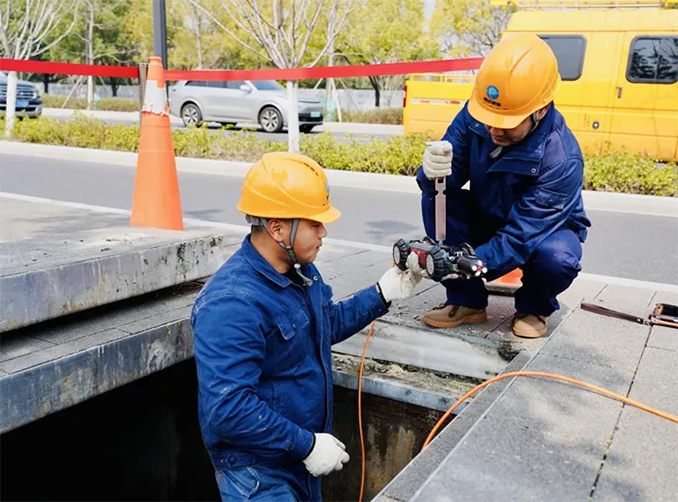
451 316
529 326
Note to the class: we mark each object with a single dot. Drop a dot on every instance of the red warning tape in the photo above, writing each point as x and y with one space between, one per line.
68 68
368 70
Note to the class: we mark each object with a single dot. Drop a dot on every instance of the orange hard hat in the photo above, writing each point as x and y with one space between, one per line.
287 186
517 78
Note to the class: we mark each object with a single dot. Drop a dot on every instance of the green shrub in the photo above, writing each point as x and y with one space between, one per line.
614 172
107 104
376 116
628 173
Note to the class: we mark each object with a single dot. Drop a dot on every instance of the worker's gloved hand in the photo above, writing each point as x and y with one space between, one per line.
437 159
328 455
413 265
398 284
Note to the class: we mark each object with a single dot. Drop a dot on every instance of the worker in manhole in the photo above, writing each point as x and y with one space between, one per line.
263 328
524 208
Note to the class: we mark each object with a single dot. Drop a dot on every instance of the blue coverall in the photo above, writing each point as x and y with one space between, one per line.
524 209
262 350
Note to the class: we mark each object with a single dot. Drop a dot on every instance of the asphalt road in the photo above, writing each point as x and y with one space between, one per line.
632 246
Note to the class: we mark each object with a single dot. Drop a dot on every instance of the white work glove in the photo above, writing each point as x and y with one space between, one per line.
328 455
398 284
437 159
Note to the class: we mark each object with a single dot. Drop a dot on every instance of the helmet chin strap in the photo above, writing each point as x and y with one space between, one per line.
263 222
290 253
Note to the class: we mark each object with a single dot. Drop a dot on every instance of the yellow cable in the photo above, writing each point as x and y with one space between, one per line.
473 391
360 411
588 386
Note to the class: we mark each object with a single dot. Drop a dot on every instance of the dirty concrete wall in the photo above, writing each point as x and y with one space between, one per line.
394 434
142 442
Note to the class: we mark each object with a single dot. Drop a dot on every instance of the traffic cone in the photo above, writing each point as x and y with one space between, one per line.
507 284
156 202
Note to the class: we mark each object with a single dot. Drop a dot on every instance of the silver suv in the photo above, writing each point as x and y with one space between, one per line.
243 101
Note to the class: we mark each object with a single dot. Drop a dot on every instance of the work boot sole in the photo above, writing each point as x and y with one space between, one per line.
469 319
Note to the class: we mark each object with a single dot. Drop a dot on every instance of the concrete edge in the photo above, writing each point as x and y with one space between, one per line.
594 201
86 374
99 281
396 391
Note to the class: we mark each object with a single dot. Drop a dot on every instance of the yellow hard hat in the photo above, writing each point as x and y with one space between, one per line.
517 78
287 186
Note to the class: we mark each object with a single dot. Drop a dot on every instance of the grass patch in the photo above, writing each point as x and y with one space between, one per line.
611 172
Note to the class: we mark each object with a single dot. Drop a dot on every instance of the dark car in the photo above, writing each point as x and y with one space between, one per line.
28 100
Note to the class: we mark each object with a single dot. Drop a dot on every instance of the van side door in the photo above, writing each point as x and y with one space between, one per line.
645 117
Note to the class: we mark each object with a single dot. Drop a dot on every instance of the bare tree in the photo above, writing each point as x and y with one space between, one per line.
95 13
281 32
29 28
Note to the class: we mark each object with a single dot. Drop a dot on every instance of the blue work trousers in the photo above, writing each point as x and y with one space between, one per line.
549 270
260 483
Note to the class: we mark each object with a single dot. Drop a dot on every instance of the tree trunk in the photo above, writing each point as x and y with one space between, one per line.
377 91
292 117
10 110
114 87
45 83
89 53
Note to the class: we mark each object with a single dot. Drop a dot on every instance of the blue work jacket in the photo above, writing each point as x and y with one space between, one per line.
528 192
262 350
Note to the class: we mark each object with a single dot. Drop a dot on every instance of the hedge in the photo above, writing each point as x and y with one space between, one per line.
612 172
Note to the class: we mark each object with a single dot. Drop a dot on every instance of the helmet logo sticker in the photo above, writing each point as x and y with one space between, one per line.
492 92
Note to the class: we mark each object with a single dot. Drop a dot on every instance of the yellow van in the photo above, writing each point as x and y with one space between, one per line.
619 70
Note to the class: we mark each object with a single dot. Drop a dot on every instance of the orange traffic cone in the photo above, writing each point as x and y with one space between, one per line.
507 284
156 202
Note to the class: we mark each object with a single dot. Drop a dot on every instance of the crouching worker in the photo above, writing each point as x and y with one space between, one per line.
263 327
524 208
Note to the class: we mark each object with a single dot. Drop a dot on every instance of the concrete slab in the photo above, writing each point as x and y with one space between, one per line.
580 290
663 337
642 463
594 339
544 440
408 482
46 273
539 441
626 299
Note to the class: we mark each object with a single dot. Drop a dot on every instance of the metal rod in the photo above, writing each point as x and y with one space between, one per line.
143 71
160 31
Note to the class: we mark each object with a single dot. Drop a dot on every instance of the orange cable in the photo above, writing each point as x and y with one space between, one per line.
360 411
588 386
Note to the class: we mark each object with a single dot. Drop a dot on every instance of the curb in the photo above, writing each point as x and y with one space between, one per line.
594 201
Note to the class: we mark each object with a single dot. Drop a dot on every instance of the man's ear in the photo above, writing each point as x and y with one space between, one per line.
276 229
541 113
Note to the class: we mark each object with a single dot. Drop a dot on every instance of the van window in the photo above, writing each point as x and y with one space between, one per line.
653 60
196 83
569 51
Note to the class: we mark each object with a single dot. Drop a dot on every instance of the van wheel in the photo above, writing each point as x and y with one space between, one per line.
270 119
191 115
306 128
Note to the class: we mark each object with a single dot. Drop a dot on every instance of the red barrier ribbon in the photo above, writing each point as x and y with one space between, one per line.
369 70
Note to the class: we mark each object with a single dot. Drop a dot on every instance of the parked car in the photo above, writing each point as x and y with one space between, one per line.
28 100
262 101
